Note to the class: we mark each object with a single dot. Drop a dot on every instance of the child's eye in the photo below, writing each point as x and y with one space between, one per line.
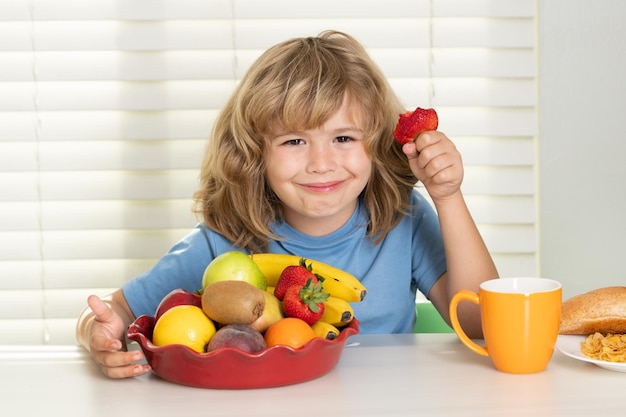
293 142
343 139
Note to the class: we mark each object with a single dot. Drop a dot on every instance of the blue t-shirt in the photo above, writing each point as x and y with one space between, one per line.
410 258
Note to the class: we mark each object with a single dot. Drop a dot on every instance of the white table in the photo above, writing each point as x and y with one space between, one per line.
384 375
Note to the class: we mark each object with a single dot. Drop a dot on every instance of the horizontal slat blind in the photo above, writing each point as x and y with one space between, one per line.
105 107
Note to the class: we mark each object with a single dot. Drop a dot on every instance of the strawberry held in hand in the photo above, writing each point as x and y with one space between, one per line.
294 275
305 302
412 123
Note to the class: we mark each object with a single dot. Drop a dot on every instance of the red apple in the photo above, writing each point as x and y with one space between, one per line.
175 298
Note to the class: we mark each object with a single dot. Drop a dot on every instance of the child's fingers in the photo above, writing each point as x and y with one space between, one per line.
102 342
121 364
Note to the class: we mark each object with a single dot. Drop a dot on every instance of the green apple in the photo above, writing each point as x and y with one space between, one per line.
234 266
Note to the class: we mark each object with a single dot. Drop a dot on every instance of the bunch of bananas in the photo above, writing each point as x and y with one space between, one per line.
341 286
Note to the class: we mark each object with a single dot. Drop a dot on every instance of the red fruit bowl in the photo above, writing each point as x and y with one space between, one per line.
230 368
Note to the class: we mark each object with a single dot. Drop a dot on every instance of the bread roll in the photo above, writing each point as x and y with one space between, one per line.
602 310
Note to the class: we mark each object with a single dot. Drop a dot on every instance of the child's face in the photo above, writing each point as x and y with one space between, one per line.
319 173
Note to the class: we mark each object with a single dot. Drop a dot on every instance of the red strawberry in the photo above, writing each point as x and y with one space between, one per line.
294 275
305 302
412 123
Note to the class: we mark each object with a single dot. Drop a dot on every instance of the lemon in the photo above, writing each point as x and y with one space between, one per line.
184 325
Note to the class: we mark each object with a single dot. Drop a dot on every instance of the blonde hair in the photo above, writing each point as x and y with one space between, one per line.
299 84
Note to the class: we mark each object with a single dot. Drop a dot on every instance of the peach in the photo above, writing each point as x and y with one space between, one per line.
238 336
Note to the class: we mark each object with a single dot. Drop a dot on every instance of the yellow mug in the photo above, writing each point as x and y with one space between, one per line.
520 321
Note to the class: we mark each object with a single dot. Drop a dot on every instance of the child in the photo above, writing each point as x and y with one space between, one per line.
302 161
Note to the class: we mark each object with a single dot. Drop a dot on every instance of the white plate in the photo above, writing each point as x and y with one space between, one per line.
570 345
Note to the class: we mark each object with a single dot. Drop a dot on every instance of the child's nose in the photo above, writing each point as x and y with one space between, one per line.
321 159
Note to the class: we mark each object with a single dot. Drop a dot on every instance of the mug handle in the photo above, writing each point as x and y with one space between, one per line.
465 295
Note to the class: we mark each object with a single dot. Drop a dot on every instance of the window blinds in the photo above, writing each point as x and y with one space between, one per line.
105 107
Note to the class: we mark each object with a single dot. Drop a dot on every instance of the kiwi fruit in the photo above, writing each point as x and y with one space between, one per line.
233 302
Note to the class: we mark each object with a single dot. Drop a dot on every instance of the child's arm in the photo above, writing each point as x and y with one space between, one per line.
436 162
101 329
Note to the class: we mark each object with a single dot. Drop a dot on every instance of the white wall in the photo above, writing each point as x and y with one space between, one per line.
582 142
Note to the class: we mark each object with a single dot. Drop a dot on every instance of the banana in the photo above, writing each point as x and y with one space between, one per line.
337 312
325 330
337 283
337 287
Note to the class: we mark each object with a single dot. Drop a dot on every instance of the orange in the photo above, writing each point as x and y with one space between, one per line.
184 325
289 331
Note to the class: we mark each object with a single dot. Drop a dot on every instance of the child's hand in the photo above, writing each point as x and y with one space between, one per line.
106 346
435 161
